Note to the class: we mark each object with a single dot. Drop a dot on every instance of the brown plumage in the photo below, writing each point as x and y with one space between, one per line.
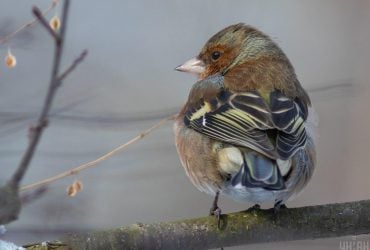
243 130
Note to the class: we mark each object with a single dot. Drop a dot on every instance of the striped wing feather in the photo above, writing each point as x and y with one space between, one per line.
274 128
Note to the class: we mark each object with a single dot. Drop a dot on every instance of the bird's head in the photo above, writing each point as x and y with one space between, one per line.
228 48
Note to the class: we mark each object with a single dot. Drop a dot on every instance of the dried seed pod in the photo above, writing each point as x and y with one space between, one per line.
54 23
78 185
73 189
10 60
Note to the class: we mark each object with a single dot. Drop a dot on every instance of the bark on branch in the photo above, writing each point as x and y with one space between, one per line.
245 227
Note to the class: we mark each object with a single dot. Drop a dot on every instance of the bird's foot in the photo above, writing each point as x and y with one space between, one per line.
278 206
216 211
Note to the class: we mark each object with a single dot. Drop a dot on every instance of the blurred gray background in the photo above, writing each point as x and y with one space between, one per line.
127 83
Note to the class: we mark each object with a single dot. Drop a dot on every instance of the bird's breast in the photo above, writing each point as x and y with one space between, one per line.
199 157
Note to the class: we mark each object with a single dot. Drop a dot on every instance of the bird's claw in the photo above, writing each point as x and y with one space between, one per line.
278 206
216 211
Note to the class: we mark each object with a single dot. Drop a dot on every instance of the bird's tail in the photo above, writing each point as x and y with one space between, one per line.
258 171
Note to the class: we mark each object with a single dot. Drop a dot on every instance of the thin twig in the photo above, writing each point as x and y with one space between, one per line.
29 24
37 12
77 61
33 195
37 130
10 202
90 164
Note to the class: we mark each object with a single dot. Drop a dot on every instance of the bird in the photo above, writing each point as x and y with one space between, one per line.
247 130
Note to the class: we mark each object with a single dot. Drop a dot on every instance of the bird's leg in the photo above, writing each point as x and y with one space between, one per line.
215 210
279 205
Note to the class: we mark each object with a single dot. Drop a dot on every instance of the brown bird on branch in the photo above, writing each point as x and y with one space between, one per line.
245 130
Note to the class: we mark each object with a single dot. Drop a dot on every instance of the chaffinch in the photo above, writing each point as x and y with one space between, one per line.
243 131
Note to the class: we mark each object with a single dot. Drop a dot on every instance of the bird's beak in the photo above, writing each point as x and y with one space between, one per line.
193 65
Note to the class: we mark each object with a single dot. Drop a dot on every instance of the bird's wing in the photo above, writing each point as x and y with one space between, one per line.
273 127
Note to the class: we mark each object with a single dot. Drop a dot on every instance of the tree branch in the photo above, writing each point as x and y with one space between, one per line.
245 227
7 38
36 131
10 203
76 62
38 14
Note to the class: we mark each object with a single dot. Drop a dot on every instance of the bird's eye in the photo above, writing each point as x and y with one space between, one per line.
216 55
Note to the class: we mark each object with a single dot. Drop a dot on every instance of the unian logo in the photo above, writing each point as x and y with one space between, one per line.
354 244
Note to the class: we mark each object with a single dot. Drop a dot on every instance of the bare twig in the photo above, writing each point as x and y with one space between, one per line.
29 24
90 164
33 195
77 61
37 12
10 202
37 130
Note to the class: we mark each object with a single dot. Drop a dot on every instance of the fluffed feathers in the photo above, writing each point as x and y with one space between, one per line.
242 131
